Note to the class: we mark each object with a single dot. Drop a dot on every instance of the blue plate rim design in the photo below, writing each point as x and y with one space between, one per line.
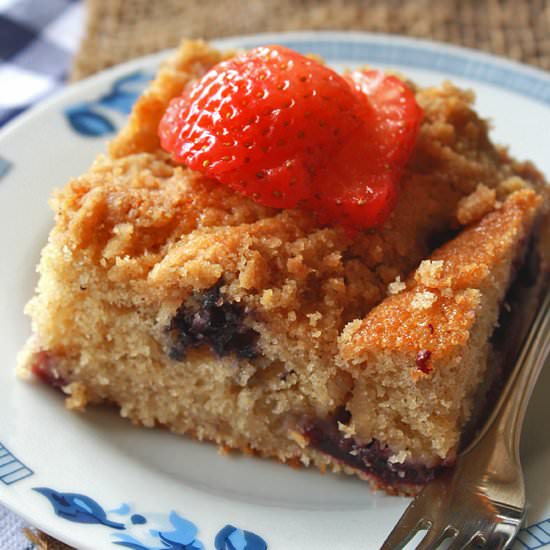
383 40
421 54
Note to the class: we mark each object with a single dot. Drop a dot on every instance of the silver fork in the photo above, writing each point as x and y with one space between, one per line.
482 499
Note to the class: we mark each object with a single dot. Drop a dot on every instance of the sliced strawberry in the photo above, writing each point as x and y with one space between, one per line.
262 122
358 188
397 115
356 200
288 131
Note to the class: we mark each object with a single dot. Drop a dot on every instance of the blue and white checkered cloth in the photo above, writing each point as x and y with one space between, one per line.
37 41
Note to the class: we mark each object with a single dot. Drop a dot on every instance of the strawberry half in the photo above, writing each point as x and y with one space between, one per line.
263 122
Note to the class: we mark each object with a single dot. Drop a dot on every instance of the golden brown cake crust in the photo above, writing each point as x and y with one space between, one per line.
138 236
436 312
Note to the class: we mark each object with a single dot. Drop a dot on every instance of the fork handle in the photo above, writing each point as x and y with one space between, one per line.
509 414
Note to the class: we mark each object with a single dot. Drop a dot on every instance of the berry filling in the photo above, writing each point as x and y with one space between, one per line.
372 458
208 319
290 132
44 368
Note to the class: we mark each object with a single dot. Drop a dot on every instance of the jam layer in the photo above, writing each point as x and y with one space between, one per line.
372 458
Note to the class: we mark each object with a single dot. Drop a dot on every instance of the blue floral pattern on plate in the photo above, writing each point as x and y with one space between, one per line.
232 538
88 118
174 532
146 532
77 508
181 536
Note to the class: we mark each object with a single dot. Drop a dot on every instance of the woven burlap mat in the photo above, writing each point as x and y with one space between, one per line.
118 30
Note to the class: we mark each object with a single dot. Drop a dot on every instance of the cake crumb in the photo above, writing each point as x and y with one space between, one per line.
298 438
314 318
267 299
77 396
224 450
474 206
243 373
398 458
429 273
347 429
396 286
509 185
423 300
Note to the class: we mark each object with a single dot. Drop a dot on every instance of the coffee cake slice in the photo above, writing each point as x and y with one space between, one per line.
192 307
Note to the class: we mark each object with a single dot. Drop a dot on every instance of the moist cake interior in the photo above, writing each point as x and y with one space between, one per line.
194 308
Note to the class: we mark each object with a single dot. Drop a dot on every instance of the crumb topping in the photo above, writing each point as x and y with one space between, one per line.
396 286
474 206
423 299
449 302
347 429
429 273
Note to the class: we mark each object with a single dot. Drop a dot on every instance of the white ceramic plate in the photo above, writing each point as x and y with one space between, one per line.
108 482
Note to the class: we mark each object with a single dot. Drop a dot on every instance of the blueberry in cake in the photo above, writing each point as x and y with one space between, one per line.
290 262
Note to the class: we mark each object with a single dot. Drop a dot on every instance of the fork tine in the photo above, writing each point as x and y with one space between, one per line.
502 537
463 540
434 537
401 534
405 529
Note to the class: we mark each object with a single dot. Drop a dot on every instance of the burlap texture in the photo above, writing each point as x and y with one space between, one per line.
41 541
118 30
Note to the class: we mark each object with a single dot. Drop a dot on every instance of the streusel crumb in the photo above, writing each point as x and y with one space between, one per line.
397 286
423 300
473 207
429 273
